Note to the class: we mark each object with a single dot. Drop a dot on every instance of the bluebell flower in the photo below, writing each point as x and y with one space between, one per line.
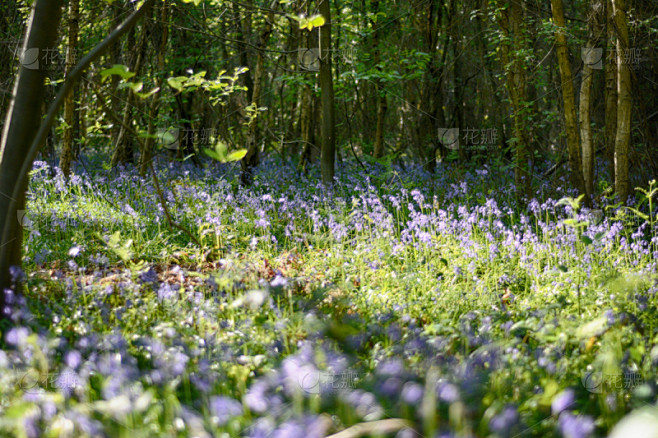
17 336
448 392
224 408
503 423
412 393
572 426
563 401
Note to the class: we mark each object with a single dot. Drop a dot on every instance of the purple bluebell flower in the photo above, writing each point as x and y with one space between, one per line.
503 423
448 392
412 393
575 426
167 291
16 336
224 408
563 401
72 358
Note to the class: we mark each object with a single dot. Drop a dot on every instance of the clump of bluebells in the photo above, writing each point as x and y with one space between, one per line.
434 299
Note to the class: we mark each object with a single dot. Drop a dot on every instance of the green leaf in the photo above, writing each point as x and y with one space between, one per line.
311 22
317 21
177 82
136 87
117 69
149 93
237 155
595 327
212 154
586 240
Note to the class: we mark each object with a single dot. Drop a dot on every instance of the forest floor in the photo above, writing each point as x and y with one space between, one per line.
413 304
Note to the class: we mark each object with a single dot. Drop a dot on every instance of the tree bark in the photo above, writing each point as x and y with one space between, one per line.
587 147
378 149
624 103
511 24
69 103
327 86
123 150
610 92
251 160
19 130
161 50
568 97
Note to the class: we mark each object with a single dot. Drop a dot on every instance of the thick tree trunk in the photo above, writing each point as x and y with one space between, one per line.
624 103
161 49
568 97
19 131
327 86
69 103
511 24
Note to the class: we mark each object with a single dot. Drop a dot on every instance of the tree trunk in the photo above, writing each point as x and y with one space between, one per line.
20 128
568 97
378 149
327 86
10 17
251 160
610 92
511 24
160 50
123 150
587 147
69 103
624 103
306 125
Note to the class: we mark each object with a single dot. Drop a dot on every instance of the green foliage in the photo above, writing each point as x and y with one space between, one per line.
219 153
309 23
